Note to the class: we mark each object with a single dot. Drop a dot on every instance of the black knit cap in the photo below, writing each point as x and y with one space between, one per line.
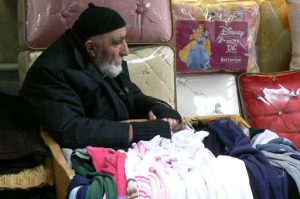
97 20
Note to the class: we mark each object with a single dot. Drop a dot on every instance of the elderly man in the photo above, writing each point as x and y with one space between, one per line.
80 90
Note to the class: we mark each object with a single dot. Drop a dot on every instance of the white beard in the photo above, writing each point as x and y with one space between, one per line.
110 70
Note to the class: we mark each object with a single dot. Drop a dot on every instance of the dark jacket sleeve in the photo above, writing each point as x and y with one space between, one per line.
61 112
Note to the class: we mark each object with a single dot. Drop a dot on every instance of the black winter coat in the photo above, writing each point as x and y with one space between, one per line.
76 104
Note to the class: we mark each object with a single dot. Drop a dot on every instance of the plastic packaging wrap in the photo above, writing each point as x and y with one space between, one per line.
207 94
43 21
271 101
213 36
152 68
294 20
273 39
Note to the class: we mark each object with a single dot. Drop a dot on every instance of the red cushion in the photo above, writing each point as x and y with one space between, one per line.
272 101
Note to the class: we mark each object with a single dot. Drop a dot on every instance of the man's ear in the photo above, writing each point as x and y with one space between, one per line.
90 47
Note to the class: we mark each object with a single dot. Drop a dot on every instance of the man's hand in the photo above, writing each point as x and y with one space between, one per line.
174 124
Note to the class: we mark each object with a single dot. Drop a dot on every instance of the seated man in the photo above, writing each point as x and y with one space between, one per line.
80 90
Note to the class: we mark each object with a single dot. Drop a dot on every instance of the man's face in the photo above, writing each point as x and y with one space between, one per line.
110 48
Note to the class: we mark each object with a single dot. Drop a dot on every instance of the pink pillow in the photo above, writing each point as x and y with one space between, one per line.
46 20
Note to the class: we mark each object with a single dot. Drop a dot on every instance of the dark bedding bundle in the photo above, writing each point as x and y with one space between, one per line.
21 145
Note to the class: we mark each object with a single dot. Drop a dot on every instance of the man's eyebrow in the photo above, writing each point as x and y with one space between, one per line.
118 39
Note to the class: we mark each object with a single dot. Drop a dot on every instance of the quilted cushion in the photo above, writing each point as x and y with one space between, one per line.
152 68
41 22
294 18
274 38
272 101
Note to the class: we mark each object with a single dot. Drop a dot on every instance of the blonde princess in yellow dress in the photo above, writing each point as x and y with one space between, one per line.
196 54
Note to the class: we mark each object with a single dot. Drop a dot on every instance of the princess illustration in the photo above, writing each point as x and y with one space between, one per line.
196 54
